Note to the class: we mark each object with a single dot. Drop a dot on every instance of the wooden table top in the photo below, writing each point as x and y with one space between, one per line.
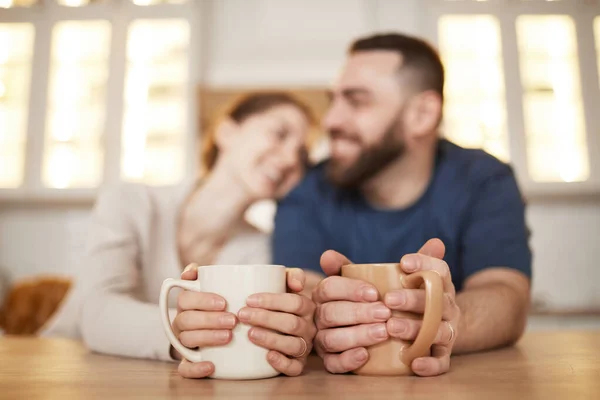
559 365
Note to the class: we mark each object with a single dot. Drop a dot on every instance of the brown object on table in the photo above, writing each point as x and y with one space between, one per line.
561 365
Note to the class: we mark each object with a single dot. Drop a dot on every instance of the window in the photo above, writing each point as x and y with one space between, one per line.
18 3
113 95
155 101
76 104
16 52
552 103
514 86
475 107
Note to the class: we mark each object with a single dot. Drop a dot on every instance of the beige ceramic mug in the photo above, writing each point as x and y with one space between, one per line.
240 358
394 356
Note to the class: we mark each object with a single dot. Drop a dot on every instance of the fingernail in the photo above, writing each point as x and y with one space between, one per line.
398 326
205 369
257 334
410 263
272 356
253 301
222 336
419 364
228 320
219 304
298 282
369 294
190 267
244 314
395 299
378 331
382 312
361 356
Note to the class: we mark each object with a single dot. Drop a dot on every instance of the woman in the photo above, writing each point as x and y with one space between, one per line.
142 235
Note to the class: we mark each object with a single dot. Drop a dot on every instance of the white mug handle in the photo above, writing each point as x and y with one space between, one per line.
168 284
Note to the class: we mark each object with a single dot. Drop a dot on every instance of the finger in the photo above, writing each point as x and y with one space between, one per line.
346 361
195 370
190 273
278 321
205 337
418 262
340 288
296 279
332 262
341 339
288 345
408 329
345 313
414 300
433 248
194 320
189 300
287 366
438 364
286 302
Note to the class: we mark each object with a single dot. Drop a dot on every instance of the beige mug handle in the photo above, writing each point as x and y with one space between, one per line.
168 284
432 317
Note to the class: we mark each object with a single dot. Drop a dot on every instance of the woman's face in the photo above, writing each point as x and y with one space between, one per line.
267 151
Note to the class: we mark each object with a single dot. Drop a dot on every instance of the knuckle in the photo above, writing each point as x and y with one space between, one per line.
186 339
297 303
295 324
330 364
327 286
327 341
327 315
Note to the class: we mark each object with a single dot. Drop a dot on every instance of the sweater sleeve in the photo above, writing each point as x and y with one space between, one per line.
112 320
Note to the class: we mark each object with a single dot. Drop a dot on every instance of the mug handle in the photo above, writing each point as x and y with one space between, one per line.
168 284
434 303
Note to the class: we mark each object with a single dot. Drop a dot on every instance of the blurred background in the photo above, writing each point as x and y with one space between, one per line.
97 91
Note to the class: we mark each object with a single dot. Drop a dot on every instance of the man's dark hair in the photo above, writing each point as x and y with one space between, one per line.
418 57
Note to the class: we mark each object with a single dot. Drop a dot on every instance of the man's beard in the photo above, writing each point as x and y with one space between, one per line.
370 162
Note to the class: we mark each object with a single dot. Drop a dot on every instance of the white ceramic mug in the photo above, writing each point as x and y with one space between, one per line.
240 358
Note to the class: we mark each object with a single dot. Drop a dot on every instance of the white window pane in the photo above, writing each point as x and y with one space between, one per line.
154 2
18 3
77 3
73 154
154 124
475 106
552 103
16 52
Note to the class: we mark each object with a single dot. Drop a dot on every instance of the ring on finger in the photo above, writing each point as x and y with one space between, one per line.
304 348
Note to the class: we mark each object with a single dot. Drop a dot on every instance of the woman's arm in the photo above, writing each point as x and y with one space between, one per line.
112 321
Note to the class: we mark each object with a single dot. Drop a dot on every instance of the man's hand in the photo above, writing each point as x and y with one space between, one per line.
349 318
429 257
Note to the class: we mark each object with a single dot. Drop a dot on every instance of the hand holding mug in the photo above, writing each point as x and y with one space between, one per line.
273 330
356 327
429 258
282 323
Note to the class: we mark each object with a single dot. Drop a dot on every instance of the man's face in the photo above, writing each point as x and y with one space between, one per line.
364 120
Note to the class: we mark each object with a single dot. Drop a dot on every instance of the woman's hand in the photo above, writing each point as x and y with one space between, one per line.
201 321
283 323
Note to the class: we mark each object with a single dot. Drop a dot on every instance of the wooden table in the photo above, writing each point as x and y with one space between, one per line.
561 365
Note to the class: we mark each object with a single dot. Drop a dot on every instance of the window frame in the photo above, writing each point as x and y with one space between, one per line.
119 14
583 13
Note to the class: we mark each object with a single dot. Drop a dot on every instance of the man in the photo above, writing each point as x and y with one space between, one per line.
390 185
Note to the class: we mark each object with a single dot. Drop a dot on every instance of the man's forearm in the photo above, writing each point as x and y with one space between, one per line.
492 316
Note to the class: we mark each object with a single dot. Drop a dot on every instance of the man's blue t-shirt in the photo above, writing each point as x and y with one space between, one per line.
472 204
